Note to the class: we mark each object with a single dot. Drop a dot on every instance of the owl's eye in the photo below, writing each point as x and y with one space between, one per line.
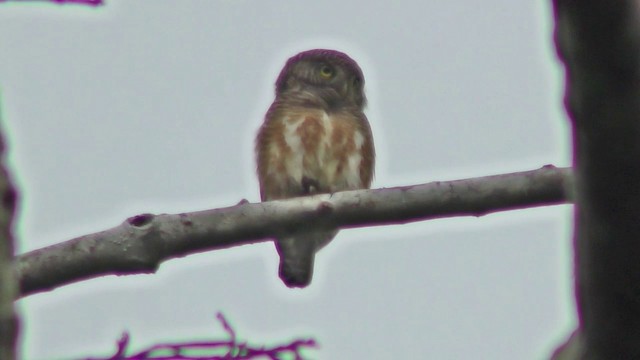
326 71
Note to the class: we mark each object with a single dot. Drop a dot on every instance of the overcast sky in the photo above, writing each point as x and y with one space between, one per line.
152 106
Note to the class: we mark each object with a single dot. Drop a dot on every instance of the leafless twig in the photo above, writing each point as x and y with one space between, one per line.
211 350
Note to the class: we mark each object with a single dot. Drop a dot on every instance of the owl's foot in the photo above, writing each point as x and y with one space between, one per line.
309 186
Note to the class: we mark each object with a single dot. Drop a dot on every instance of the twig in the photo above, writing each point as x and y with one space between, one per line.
196 350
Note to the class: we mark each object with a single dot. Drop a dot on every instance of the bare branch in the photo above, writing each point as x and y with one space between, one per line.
216 348
142 242
599 42
8 283
60 2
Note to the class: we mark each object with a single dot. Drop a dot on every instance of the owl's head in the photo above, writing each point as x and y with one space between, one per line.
326 73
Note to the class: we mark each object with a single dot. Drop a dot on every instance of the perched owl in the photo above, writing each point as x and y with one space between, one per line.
315 139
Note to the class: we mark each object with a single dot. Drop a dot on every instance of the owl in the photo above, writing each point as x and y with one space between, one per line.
315 139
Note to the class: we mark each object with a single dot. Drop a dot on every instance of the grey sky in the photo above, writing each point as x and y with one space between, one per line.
152 106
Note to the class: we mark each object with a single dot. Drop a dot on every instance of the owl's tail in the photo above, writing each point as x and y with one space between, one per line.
297 254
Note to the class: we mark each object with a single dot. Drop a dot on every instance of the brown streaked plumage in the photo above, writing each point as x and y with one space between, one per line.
315 139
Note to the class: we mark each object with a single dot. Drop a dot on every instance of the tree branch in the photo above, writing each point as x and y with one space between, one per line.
142 242
8 283
599 42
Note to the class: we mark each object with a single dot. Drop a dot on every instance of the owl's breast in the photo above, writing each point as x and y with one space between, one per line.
312 152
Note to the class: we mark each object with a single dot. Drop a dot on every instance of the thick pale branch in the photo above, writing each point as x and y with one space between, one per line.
142 242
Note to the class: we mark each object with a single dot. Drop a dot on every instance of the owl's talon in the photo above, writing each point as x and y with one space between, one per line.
309 185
